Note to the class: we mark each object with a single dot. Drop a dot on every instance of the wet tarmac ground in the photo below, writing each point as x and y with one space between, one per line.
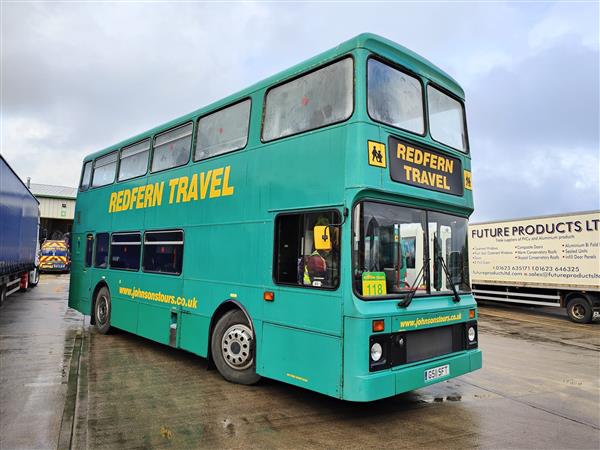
63 385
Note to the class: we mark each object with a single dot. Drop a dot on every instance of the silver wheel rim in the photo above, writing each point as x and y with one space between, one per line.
578 311
102 310
236 347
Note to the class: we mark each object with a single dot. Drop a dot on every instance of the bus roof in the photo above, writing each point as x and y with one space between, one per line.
369 41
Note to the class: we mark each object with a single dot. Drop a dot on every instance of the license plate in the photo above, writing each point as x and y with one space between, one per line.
437 372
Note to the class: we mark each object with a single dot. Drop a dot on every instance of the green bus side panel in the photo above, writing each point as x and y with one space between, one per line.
309 360
154 322
309 309
124 314
154 316
193 335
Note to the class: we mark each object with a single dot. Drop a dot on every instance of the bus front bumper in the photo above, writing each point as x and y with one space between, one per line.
397 380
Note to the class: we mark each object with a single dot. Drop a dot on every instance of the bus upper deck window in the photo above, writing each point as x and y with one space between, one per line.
104 170
172 149
394 97
446 119
134 160
86 176
319 98
223 131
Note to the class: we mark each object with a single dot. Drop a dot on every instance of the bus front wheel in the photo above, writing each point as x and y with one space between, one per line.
102 310
579 310
232 347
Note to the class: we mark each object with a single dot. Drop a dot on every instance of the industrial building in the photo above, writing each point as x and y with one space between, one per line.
57 209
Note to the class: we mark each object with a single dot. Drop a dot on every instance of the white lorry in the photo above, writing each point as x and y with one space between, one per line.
547 261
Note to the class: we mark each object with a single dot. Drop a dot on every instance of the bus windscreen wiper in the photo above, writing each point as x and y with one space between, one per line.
413 289
449 279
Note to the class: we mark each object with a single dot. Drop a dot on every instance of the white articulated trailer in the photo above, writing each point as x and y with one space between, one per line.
546 261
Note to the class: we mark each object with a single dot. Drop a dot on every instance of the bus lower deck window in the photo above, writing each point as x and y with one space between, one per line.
125 249
101 257
89 250
163 252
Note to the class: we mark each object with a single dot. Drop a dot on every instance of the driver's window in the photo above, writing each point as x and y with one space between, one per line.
307 249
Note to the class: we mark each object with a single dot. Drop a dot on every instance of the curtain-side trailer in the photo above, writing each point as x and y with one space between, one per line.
19 228
545 261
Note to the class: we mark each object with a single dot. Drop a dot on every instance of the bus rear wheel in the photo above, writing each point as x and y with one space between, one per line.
102 310
232 347
579 310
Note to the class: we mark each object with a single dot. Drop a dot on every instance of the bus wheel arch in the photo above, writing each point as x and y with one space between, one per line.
231 318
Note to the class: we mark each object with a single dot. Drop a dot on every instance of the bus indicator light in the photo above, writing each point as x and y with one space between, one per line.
378 325
471 314
268 296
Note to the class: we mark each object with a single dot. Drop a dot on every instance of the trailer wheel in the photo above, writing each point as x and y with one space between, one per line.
579 310
232 346
102 310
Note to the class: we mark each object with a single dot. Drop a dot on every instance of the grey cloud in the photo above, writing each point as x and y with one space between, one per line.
77 77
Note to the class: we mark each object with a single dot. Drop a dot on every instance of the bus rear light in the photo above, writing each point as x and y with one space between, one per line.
378 325
268 296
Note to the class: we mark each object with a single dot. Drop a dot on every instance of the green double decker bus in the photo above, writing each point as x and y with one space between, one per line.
310 229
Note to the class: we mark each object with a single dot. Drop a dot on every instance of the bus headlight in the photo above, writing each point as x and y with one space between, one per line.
471 334
376 351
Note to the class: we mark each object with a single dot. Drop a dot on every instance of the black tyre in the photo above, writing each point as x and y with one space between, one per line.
34 278
102 310
579 310
233 349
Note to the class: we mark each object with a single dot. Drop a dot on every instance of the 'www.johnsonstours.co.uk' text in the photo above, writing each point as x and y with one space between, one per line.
158 297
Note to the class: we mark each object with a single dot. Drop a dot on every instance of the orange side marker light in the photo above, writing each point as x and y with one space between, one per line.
378 325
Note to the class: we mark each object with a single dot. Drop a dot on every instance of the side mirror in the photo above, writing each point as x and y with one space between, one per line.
322 238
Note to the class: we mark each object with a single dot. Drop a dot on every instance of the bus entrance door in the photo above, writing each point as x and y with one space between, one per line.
85 281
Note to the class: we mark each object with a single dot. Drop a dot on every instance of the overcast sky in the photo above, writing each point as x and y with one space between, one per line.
77 77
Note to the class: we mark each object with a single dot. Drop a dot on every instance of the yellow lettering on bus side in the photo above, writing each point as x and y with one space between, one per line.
119 205
126 197
158 193
134 193
215 191
193 188
140 197
401 152
204 180
449 166
410 154
172 183
445 186
227 190
435 162
111 203
148 195
182 190
408 170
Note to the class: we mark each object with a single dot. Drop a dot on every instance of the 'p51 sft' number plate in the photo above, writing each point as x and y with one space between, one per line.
437 372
